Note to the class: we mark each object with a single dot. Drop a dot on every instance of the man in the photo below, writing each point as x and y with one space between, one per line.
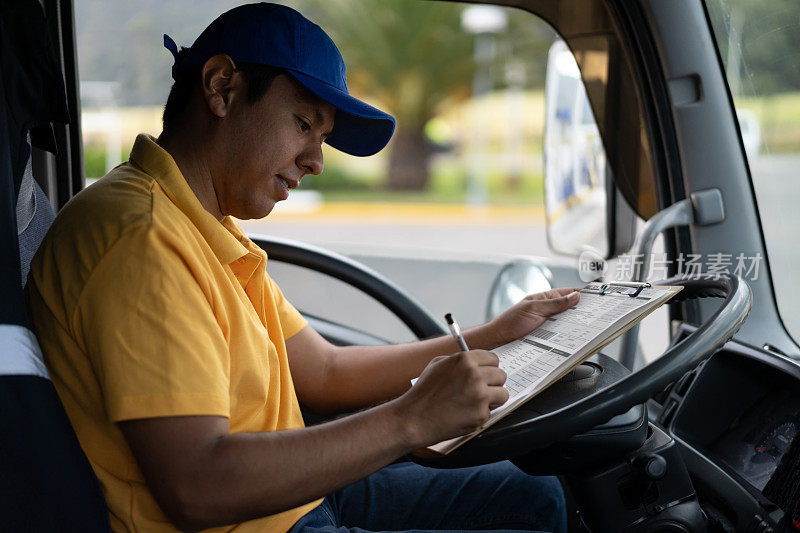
179 360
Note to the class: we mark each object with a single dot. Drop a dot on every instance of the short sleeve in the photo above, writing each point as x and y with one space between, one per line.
290 318
148 326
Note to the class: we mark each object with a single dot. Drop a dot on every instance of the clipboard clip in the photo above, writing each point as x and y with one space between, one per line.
637 287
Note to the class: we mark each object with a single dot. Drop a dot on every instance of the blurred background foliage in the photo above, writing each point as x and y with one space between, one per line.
750 25
410 58
762 80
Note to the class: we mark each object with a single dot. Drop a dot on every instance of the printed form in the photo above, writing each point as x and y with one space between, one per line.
529 360
535 361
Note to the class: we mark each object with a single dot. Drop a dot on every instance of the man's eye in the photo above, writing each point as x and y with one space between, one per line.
305 126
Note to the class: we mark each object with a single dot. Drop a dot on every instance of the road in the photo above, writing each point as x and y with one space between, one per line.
522 230
440 254
440 229
775 180
513 230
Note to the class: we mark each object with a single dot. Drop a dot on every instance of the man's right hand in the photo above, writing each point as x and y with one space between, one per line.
453 396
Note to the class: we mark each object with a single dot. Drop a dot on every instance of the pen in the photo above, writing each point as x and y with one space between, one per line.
456 331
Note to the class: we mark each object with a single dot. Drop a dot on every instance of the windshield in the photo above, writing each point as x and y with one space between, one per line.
463 172
759 43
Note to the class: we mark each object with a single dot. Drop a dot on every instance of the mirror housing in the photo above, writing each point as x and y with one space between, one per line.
584 209
621 220
517 279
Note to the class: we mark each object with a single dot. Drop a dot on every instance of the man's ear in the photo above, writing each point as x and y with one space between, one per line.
220 83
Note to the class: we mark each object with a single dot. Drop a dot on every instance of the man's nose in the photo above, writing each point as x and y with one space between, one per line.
310 160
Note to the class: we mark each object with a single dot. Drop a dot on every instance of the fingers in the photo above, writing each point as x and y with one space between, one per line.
563 291
555 305
493 379
553 293
485 366
491 389
456 394
484 358
499 396
492 376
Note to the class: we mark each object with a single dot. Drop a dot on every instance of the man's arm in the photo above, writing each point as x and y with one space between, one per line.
203 476
331 379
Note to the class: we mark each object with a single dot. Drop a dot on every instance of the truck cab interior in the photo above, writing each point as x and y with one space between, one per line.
704 437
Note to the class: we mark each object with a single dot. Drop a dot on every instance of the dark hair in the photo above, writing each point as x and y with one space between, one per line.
257 77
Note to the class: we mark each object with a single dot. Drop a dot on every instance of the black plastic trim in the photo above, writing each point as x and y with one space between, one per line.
341 335
708 475
657 112
398 301
69 160
776 361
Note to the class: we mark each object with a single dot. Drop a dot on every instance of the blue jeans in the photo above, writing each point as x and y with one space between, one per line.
409 497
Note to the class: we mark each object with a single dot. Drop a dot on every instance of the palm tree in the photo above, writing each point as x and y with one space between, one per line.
409 56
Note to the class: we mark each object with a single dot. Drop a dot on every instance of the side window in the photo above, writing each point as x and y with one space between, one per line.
331 300
461 181
758 45
464 169
463 172
578 179
459 189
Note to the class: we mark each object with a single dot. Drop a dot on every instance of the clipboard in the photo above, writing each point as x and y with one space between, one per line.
630 288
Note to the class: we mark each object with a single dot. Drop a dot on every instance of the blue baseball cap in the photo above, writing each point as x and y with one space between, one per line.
279 36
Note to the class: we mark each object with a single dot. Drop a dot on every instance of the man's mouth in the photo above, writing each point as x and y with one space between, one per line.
289 184
286 185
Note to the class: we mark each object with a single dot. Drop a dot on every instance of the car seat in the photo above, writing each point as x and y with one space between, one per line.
46 481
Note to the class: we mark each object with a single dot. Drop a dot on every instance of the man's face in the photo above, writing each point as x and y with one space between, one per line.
269 147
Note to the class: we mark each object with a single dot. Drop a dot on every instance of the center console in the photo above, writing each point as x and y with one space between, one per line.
743 415
734 419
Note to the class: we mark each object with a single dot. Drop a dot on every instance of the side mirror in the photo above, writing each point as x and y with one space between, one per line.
584 209
517 279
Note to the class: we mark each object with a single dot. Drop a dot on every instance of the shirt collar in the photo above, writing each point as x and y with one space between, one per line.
245 267
158 163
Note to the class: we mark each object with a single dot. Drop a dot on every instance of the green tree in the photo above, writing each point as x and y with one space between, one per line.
122 42
765 35
409 56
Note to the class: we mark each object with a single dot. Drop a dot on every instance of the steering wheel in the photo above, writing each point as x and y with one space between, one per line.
515 439
509 440
358 275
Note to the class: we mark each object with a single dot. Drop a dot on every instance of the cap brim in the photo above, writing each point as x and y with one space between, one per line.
359 129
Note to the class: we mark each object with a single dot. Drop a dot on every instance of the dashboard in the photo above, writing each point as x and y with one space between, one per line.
736 419
754 442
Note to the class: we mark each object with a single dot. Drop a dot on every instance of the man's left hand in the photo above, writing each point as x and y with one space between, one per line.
528 314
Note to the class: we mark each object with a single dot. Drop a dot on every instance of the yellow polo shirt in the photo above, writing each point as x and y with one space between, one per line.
146 305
